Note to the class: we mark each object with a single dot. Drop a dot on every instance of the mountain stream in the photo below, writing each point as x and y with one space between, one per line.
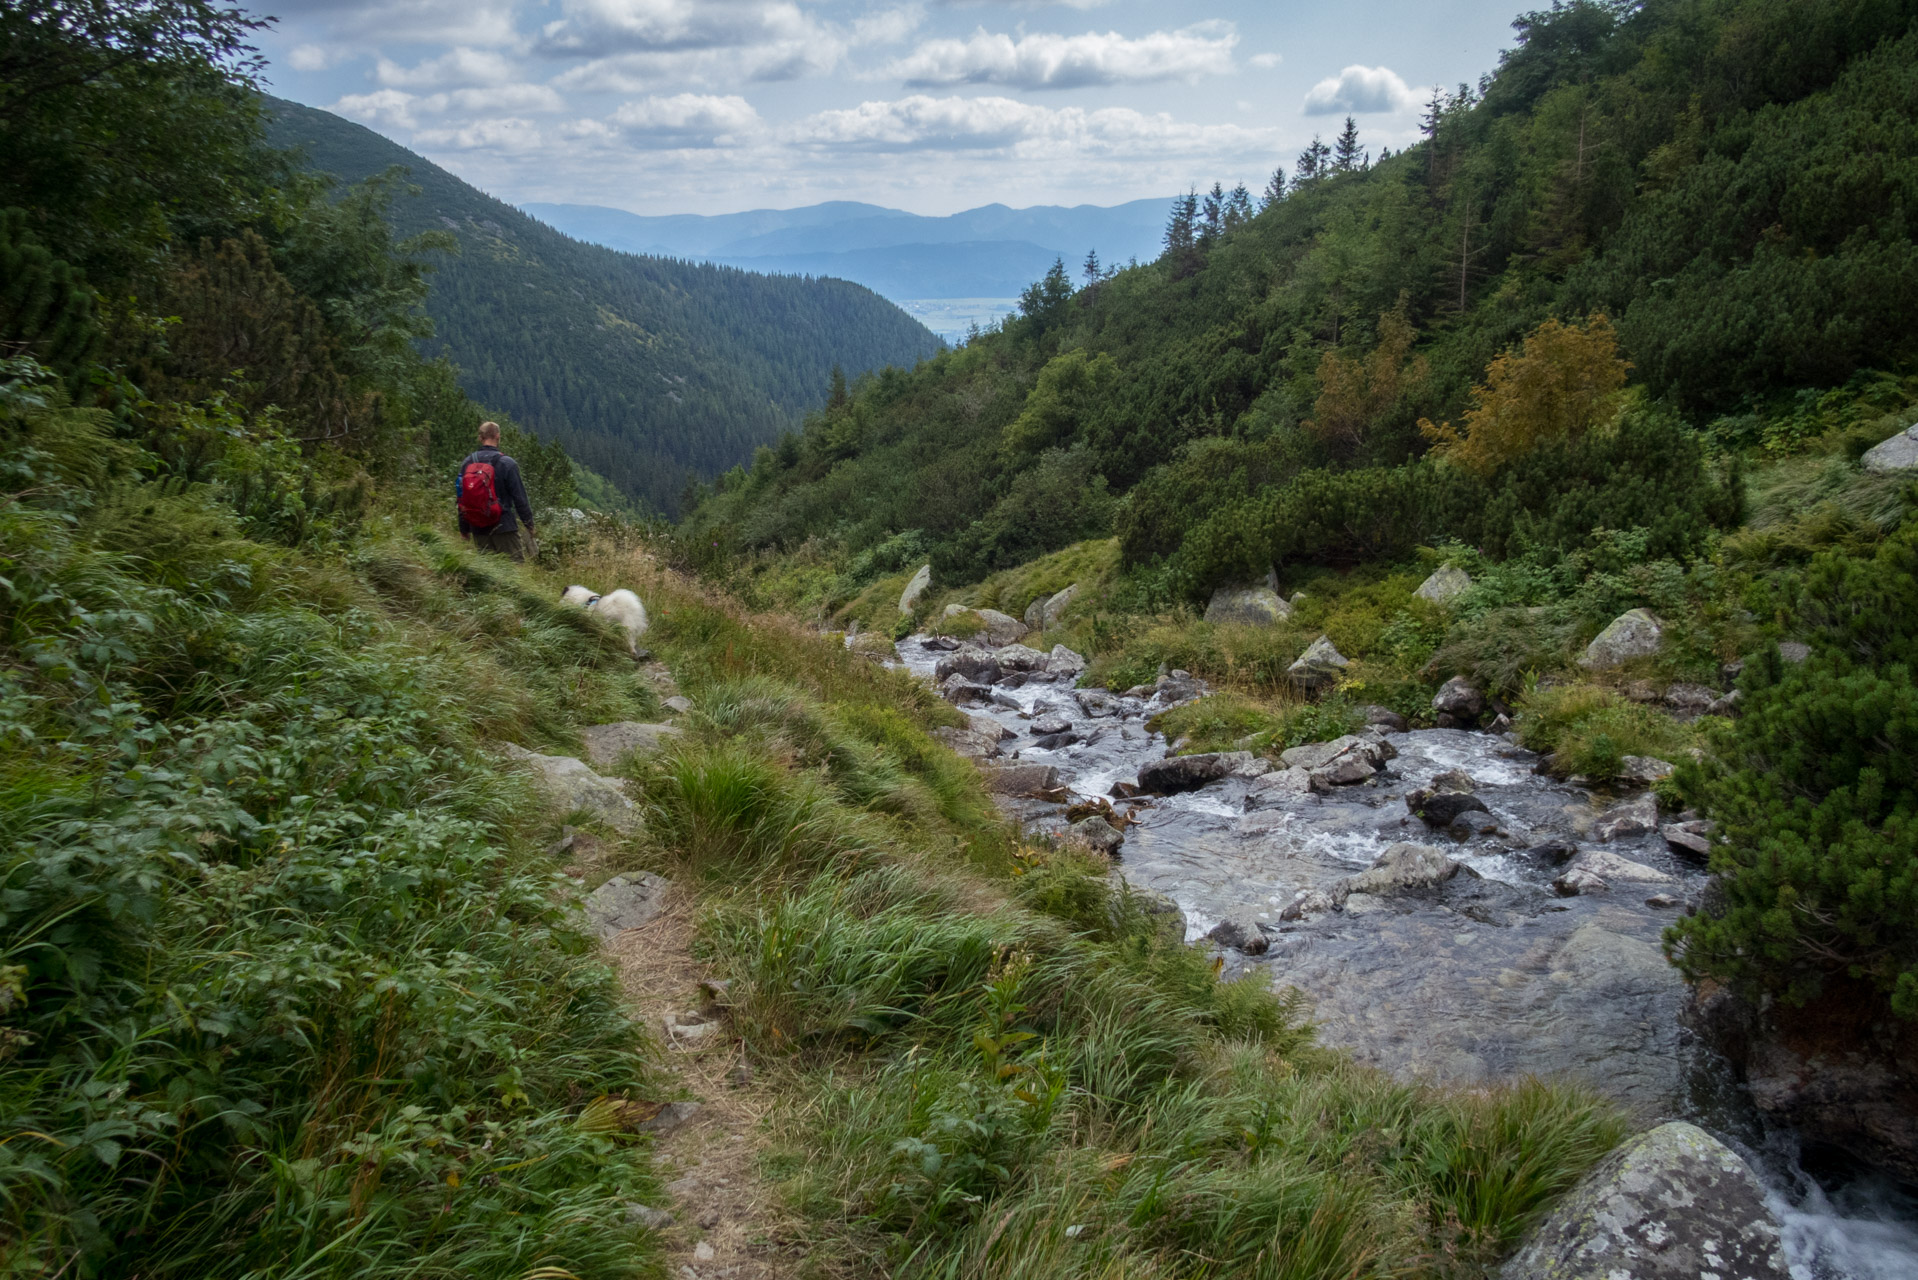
1494 976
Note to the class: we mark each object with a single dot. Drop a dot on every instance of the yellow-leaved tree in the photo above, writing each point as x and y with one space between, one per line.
1353 393
1560 383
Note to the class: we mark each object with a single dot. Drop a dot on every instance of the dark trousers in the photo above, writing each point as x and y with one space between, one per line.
518 543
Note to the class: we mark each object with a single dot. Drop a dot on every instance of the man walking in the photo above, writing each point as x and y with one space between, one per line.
489 494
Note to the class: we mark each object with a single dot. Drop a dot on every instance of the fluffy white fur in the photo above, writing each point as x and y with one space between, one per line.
577 596
623 607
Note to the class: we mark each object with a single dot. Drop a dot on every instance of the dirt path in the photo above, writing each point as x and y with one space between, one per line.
727 1222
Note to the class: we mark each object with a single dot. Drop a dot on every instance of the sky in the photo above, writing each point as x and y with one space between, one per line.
933 106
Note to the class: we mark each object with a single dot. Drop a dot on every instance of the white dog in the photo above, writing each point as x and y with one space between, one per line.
622 606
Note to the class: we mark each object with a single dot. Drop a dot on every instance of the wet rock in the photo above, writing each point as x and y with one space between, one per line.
1189 773
1671 1204
1900 453
1313 902
1096 834
1055 741
909 598
1000 698
1611 867
1241 932
1643 770
1688 839
1097 703
1403 868
1385 719
1050 722
1018 657
1794 651
1635 817
1454 780
1022 780
942 644
1248 606
1277 788
1472 822
1635 633
1552 853
1344 772
570 785
1662 900
608 744
1441 808
625 902
1064 662
1577 880
974 664
1458 703
1319 666
1444 586
960 691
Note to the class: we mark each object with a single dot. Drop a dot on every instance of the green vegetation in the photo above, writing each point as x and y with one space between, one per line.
650 371
1590 729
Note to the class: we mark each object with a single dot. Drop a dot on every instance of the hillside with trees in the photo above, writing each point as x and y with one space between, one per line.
1615 335
650 371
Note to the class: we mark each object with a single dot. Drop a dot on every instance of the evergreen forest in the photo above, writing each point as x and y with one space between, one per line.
651 372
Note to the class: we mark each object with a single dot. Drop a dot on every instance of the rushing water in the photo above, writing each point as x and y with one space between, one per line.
1494 977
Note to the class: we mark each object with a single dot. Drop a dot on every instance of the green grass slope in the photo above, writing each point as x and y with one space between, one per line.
648 370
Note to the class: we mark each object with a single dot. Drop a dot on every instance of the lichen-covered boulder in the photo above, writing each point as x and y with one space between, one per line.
1319 666
1632 634
1900 453
1671 1204
1444 586
909 598
1248 606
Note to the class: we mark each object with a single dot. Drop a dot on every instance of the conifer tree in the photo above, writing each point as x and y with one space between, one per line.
1091 267
1345 150
1314 161
1212 221
1180 233
836 396
1274 190
1238 207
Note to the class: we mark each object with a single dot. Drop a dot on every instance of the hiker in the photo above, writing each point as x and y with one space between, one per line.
489 494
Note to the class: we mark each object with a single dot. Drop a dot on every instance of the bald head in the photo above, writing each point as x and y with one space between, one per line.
489 433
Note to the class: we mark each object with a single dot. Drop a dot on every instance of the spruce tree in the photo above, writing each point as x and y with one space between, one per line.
1345 151
1213 221
1314 161
1091 267
836 395
1180 232
1274 190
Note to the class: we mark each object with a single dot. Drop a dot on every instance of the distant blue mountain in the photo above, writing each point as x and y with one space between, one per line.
989 252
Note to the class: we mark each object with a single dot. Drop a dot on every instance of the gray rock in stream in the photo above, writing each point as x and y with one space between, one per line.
1189 773
1022 780
976 665
1241 932
1403 868
1671 1204
1635 817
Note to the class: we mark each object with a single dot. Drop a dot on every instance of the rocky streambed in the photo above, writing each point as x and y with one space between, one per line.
1501 923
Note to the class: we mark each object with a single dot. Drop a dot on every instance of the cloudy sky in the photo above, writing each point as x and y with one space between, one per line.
713 106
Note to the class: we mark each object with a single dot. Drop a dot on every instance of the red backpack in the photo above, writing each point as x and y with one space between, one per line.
479 500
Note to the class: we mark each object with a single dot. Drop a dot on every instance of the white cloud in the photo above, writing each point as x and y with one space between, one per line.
309 57
399 109
1068 62
509 134
1265 61
1360 91
391 107
887 27
592 28
396 22
924 123
685 120
458 66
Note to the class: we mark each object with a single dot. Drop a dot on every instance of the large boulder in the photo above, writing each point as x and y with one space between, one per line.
979 740
1189 773
960 691
1459 704
1671 1204
1277 788
976 665
1447 584
1096 834
1319 666
1441 808
1632 634
1340 762
1051 610
909 598
1064 662
608 744
1900 453
1635 817
1248 606
1404 868
1609 866
1018 657
1239 931
992 627
1643 770
1096 703
571 786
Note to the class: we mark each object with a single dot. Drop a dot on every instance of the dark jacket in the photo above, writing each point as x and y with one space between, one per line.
506 483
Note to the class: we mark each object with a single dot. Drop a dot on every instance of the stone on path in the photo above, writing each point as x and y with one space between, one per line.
626 902
1671 1204
1248 606
570 785
1632 634
1446 584
608 744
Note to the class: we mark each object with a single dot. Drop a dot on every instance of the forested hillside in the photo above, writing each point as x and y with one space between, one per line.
649 370
1723 187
